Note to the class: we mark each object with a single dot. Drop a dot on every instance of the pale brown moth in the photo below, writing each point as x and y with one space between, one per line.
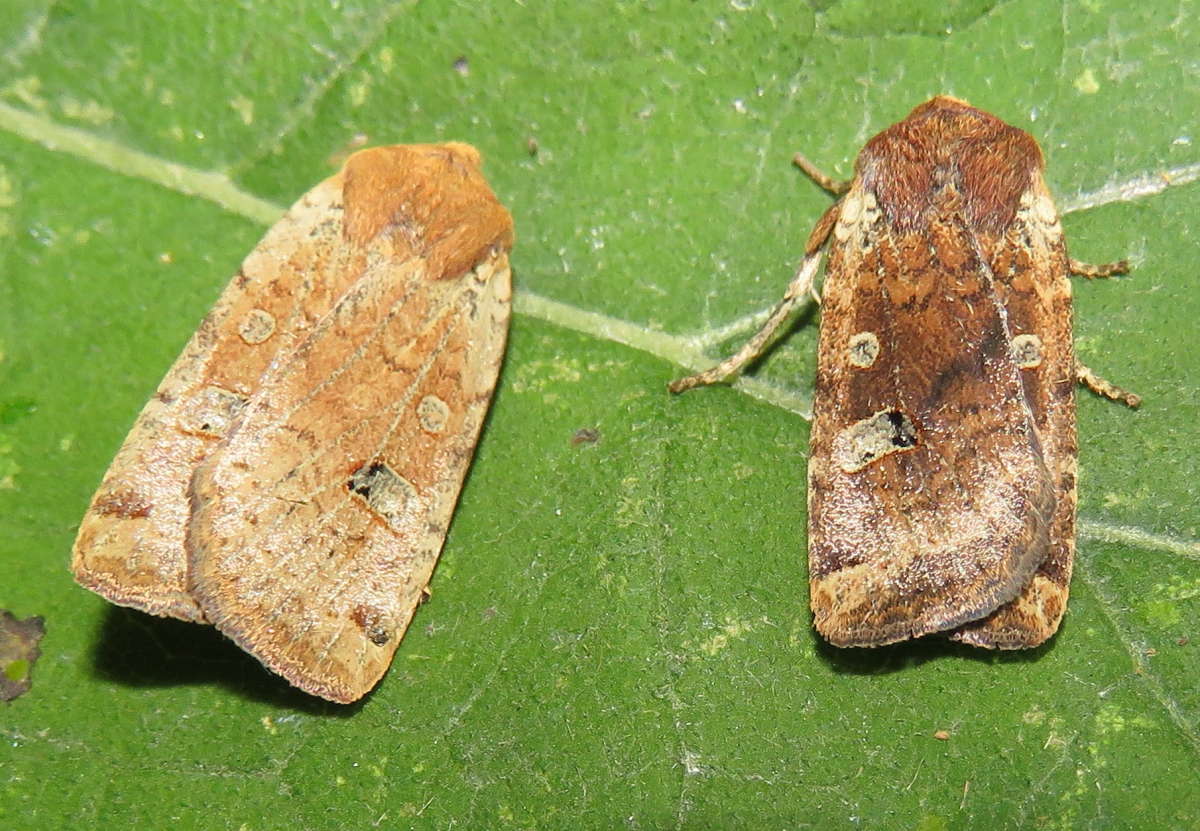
941 493
292 479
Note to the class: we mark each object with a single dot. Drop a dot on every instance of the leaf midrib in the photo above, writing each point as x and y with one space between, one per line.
689 351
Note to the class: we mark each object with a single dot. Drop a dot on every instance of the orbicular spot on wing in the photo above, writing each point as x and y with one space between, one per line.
433 414
256 326
1027 351
863 349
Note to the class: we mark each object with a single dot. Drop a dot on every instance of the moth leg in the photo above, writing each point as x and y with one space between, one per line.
1093 271
801 285
1104 388
835 186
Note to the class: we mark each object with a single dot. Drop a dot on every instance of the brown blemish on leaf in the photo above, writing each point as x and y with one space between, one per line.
19 651
585 435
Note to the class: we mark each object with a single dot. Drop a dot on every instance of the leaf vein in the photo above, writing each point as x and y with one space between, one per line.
1151 680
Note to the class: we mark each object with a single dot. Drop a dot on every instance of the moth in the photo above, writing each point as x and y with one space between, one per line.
942 467
292 479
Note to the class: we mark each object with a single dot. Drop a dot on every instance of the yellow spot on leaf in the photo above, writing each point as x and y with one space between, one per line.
1109 720
1034 716
1087 83
535 376
89 112
742 471
27 90
1161 613
16 670
932 822
1177 588
8 466
8 196
387 59
8 199
731 630
1055 737
244 107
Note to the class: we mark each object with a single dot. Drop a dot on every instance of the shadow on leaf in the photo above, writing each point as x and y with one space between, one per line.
141 650
896 657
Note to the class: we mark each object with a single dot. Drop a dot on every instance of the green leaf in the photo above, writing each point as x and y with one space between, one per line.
619 634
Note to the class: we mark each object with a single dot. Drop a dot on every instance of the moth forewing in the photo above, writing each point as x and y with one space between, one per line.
343 473
130 545
917 523
1032 269
308 528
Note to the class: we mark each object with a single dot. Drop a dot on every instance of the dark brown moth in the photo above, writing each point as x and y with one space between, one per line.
942 467
292 479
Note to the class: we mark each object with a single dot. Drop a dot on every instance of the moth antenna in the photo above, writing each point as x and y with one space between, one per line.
835 186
